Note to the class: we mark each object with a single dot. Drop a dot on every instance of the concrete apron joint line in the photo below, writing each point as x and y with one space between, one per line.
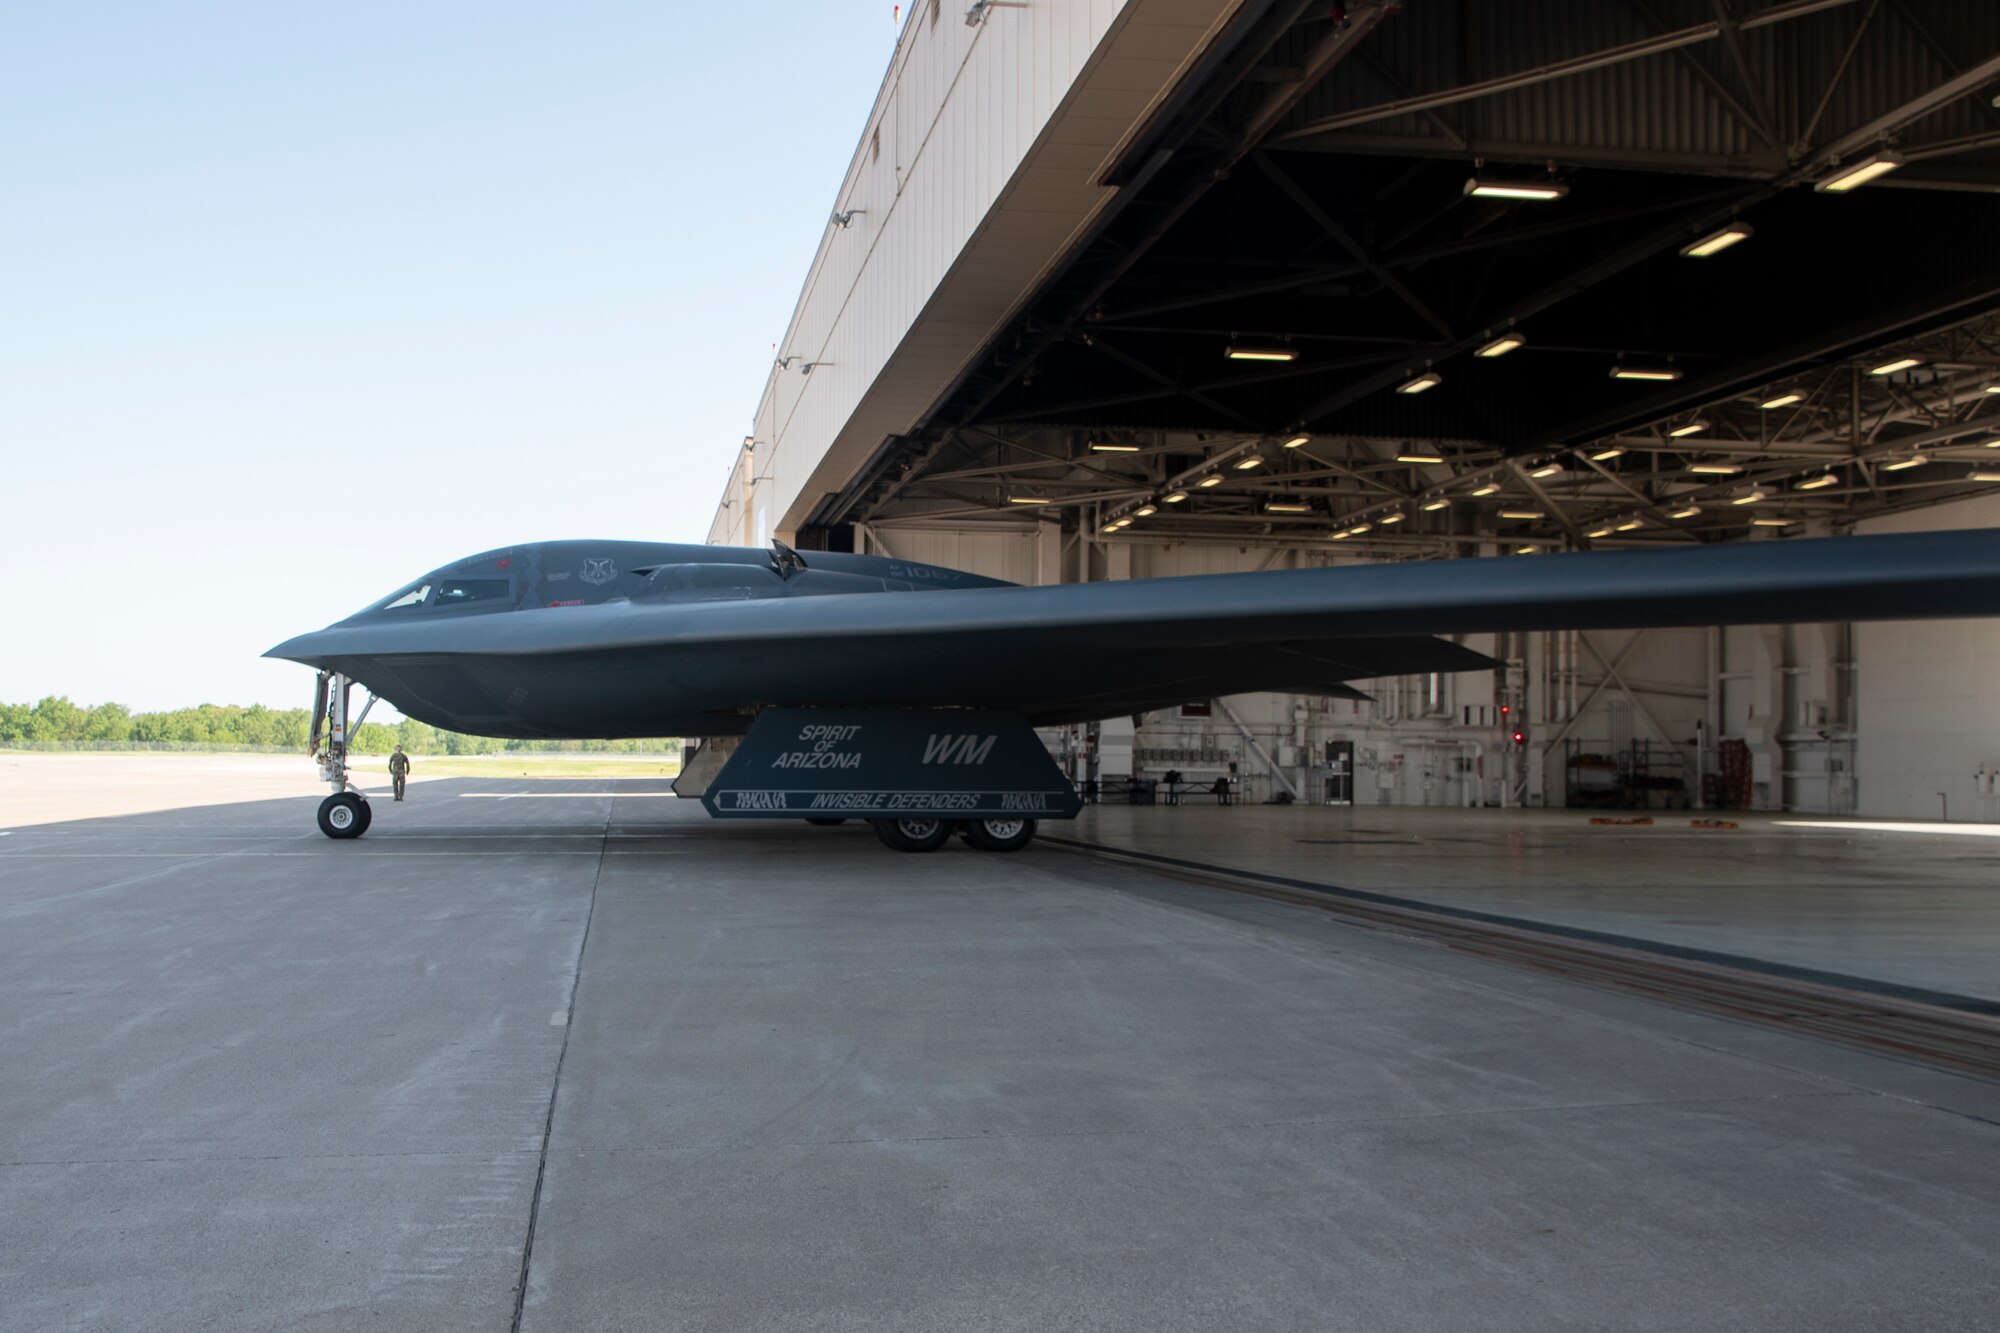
559 1019
1939 1030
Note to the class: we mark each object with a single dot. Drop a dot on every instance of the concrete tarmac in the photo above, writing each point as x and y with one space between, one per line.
780 1078
1909 904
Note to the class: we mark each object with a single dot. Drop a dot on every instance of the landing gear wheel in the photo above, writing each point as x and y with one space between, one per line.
913 834
823 822
367 816
343 815
999 835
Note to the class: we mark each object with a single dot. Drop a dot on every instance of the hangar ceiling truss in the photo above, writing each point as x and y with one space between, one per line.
1298 276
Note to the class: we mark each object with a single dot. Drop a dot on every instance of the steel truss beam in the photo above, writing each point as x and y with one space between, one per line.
1558 69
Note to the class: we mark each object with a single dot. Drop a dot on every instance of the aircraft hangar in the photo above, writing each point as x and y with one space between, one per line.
1169 287
1186 286
1639 979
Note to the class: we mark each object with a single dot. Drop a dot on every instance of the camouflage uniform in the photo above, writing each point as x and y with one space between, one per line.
399 771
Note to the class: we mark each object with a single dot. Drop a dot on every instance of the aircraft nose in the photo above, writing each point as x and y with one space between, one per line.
302 648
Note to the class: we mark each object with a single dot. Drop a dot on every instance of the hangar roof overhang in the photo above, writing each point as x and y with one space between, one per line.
1307 197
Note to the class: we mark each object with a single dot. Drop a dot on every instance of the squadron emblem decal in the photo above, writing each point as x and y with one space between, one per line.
597 571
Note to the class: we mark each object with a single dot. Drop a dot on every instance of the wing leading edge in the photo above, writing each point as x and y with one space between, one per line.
1074 651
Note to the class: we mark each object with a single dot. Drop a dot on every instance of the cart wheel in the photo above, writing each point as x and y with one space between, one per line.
1000 835
913 834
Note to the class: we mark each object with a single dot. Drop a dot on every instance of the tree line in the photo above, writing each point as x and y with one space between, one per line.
55 723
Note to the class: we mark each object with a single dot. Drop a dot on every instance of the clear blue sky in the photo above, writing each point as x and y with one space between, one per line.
297 302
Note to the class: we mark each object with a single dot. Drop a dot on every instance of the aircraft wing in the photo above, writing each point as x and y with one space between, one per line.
1076 651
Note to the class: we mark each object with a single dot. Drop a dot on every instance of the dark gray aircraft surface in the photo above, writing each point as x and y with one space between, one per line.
831 654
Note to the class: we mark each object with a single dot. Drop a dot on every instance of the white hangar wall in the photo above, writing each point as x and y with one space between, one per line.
978 169
1872 719
1929 698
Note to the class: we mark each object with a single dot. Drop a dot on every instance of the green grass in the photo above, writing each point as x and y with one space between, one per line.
529 766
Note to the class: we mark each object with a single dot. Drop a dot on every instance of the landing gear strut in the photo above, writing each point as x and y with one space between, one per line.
346 813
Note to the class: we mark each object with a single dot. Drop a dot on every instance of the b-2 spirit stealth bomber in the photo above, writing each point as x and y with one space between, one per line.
852 686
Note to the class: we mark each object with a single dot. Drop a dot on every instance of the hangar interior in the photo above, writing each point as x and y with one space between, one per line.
1375 282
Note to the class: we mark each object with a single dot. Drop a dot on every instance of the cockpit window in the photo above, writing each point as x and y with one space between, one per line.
414 597
461 592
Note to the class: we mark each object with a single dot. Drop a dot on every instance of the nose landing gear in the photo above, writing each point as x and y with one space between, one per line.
346 813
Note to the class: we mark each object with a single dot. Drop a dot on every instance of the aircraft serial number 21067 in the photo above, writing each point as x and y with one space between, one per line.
832 686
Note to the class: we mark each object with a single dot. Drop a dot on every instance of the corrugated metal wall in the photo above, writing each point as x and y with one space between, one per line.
958 112
979 171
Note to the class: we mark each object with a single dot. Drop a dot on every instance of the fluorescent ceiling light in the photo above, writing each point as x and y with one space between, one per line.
1243 352
1488 489
1521 513
1546 470
1993 388
1782 400
1770 522
1716 469
1598 532
1125 522
1982 474
1103 447
1145 511
1430 379
1359 528
1685 511
1173 497
1342 535
1749 497
1824 479
1695 427
1027 500
1860 173
1388 519
1625 372
1502 345
1900 363
1212 479
1524 550
1419 458
1913 460
1717 241
1248 461
1606 455
1298 440
1113 527
1437 504
1631 525
1286 507
1486 187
